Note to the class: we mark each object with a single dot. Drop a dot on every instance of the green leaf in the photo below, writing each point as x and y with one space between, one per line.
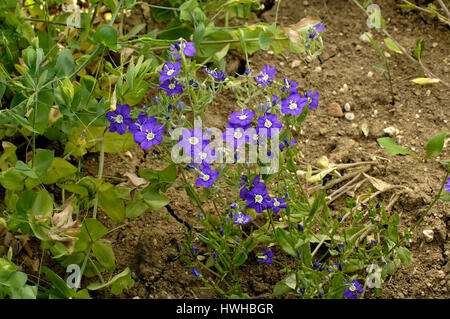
424 81
43 204
391 147
420 47
104 254
25 169
135 208
405 255
12 179
435 145
154 199
59 169
264 40
281 288
285 240
106 35
392 46
65 65
117 283
92 230
43 160
110 202
376 66
445 196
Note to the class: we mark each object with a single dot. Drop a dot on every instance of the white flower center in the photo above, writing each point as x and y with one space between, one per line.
150 136
171 86
292 105
193 140
265 77
242 117
203 155
205 177
118 119
255 137
170 72
352 287
237 134
240 220
267 123
258 199
276 203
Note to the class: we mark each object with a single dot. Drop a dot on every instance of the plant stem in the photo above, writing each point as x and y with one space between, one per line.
438 195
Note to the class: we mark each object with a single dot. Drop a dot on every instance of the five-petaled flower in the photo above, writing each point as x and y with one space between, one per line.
266 76
150 134
241 219
206 177
268 124
257 198
290 86
266 257
170 70
293 104
351 292
119 118
187 48
172 87
219 76
277 204
242 118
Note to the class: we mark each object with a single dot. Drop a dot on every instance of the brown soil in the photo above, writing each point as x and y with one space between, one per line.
147 244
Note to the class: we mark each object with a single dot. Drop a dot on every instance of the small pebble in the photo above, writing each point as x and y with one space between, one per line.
391 131
347 107
350 116
363 37
428 235
282 63
318 69
369 74
358 47
295 63
434 44
335 110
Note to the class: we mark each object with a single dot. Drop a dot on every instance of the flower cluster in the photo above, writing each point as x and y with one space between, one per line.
146 130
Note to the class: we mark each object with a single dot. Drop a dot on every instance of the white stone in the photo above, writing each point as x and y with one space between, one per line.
428 235
369 74
349 116
391 131
363 37
347 107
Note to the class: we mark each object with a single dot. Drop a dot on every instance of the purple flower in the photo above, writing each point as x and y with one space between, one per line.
299 256
215 256
192 141
257 198
313 99
266 76
447 186
293 104
290 86
354 288
288 142
241 219
235 137
233 205
277 204
119 119
313 32
219 76
247 72
150 134
170 70
317 265
205 155
338 266
242 118
187 48
195 272
300 227
274 100
172 87
266 257
137 126
269 124
206 177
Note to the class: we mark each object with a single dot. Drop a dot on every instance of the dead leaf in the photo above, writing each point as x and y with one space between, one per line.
292 31
65 229
378 184
136 180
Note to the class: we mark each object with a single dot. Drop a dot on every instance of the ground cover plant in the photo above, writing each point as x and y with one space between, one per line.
78 83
